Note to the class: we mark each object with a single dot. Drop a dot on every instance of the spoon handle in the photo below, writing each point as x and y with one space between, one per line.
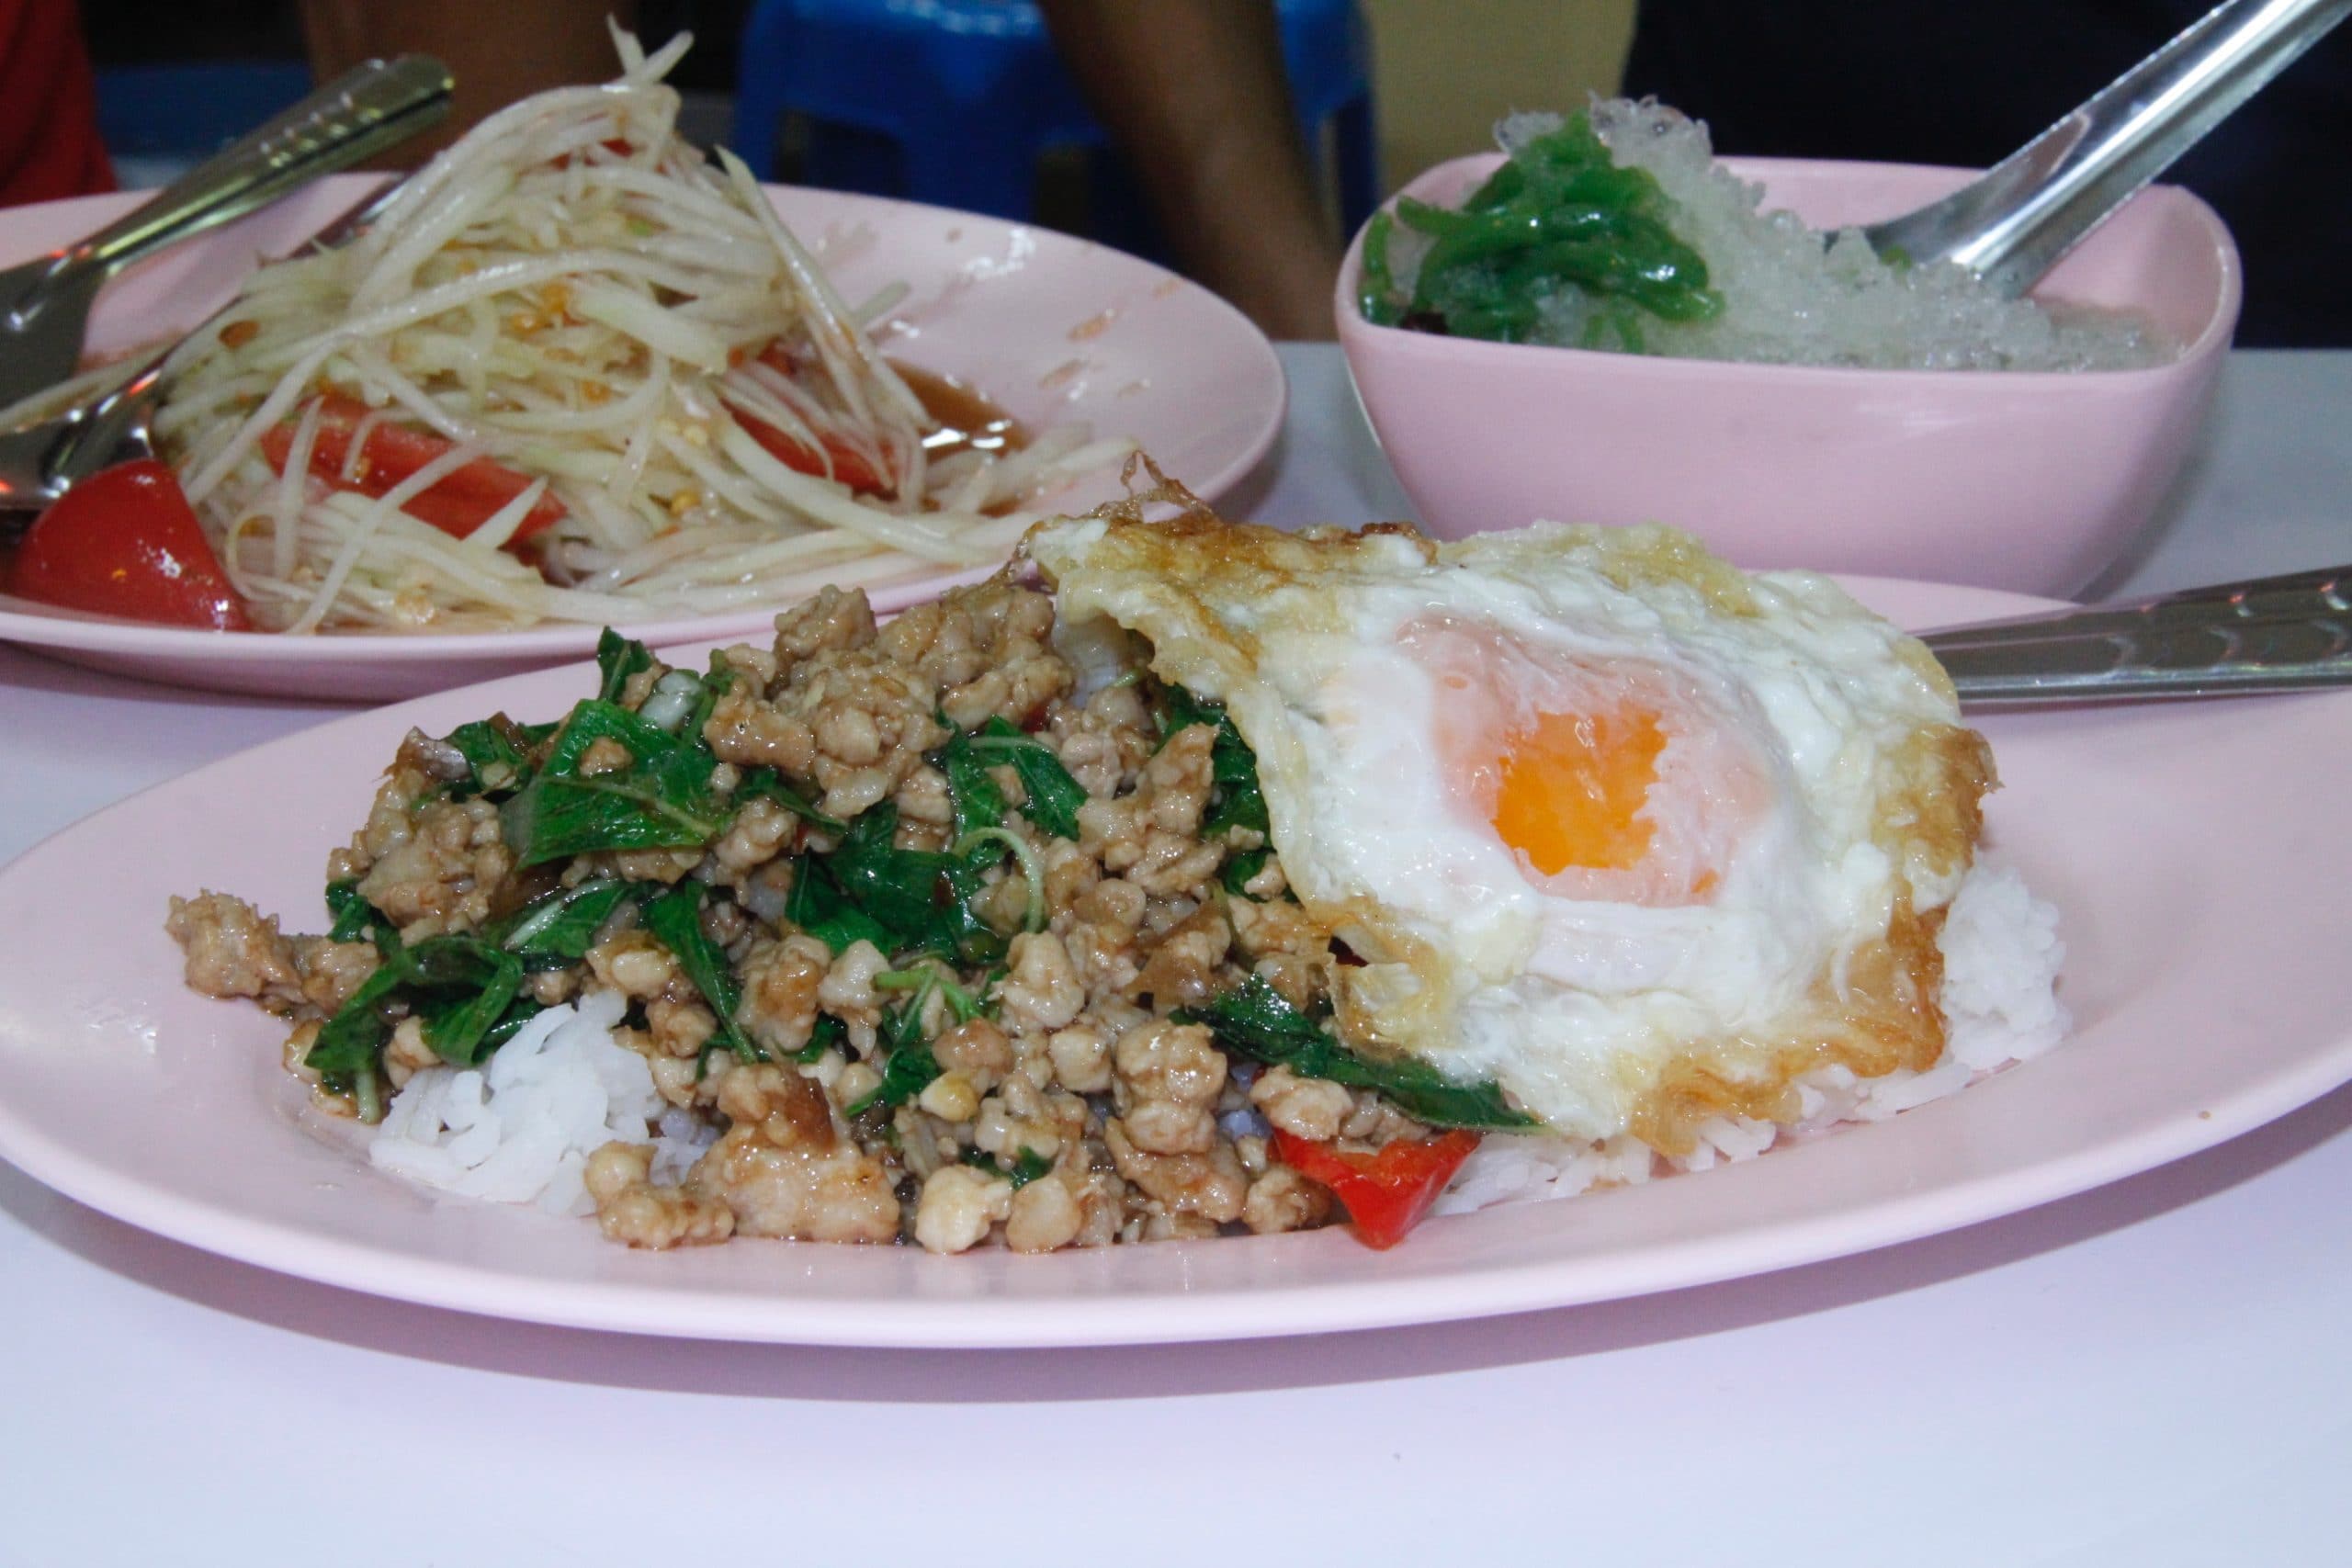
374 106
39 462
2273 634
2012 224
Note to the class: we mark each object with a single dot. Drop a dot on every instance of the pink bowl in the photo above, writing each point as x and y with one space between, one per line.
2032 481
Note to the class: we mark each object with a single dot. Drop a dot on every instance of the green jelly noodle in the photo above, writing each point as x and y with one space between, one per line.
1559 216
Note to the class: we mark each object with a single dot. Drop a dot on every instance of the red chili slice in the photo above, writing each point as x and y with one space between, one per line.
457 504
1385 1193
126 542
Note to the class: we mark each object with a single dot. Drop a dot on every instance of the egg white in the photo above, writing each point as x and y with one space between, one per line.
1586 1008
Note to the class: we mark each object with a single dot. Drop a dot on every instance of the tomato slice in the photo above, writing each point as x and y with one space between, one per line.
1387 1192
457 504
618 146
848 467
126 542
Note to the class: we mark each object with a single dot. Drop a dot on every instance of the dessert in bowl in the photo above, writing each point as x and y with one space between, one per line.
2029 479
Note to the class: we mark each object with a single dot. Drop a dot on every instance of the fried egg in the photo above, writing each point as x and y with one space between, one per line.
1585 811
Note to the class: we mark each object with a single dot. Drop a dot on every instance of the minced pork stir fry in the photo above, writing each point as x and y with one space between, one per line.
942 949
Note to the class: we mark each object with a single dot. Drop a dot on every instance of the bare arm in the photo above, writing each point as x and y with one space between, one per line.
1194 94
498 50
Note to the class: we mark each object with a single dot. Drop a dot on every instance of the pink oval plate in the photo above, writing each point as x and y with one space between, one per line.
1054 329
2192 850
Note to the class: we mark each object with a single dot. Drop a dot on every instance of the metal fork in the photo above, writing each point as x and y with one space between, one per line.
2268 634
40 462
45 303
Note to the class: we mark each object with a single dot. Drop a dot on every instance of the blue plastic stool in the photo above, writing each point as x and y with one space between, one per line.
951 101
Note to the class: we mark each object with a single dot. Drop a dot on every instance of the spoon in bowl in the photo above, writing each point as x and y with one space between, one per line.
2012 223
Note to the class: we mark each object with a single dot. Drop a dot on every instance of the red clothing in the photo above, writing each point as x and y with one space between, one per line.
49 106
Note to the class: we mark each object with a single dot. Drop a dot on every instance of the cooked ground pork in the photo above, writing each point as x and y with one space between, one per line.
1028 1089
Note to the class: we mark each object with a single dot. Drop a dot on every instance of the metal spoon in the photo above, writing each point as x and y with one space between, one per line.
2011 225
2269 634
45 303
39 462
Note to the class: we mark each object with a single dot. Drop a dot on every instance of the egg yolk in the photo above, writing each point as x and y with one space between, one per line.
1571 787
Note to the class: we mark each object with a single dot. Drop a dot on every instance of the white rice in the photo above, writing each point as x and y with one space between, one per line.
2001 956
520 1128
1797 295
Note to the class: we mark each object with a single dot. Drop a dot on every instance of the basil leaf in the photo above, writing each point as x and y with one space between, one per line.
958 933
351 915
904 1076
921 898
768 784
827 1032
1180 709
351 1042
458 985
898 888
1255 1020
817 906
1026 1166
462 986
557 929
972 794
715 683
675 920
1241 868
1235 798
909 1067
662 799
963 1007
500 752
1235 801
1054 796
519 1012
464 990
618 657
901 1027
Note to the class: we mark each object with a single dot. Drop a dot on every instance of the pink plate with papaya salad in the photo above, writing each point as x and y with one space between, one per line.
578 373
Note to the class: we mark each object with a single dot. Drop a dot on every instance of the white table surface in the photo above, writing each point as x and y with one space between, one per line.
2157 1373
